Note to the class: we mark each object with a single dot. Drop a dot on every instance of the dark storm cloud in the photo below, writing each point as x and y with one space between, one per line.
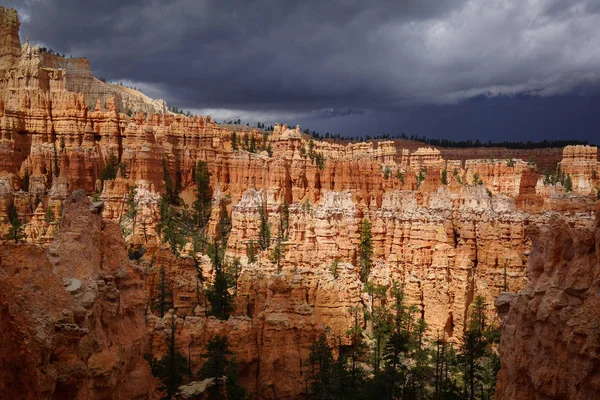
316 60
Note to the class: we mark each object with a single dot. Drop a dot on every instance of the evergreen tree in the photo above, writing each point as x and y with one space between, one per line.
263 145
319 161
25 183
56 171
358 350
170 195
170 225
320 361
444 177
568 184
382 323
264 233
277 251
220 367
365 250
109 172
131 203
202 204
233 273
162 300
224 226
49 216
172 367
218 293
16 230
285 219
251 252
234 143
474 348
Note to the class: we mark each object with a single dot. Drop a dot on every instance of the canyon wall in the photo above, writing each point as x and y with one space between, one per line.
550 346
74 314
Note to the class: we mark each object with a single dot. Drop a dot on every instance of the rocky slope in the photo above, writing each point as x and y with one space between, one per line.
74 314
448 229
550 345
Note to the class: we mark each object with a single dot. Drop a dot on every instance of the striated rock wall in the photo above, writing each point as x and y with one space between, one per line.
581 163
550 347
74 314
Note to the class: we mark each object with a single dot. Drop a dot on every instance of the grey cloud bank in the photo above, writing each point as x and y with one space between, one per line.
457 69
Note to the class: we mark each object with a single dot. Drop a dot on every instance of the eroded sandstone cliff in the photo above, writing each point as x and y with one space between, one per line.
550 345
74 314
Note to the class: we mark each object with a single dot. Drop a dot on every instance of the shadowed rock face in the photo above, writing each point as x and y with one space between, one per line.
72 318
550 345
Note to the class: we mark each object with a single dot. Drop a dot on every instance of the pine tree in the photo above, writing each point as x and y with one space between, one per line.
474 347
25 183
221 368
16 230
172 367
251 252
285 219
358 350
264 233
170 192
568 184
277 251
218 293
162 301
320 360
170 225
224 226
110 169
49 216
382 324
56 171
202 204
365 250
234 143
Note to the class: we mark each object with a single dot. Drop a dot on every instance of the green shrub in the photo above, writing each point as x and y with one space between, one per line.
49 216
136 254
400 177
421 177
476 179
386 172
333 268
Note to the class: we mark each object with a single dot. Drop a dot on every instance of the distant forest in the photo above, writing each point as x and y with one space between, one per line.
544 144
461 144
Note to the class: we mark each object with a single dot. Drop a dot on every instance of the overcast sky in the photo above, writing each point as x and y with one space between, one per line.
487 69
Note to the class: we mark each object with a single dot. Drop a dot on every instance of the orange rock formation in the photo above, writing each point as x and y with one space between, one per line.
74 314
549 345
